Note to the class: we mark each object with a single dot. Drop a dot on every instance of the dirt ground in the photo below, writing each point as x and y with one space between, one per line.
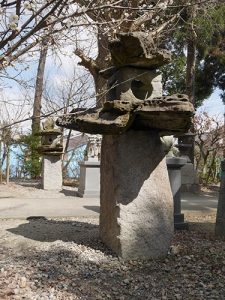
25 188
63 258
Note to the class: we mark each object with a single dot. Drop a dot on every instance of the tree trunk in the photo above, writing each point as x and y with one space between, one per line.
64 166
210 170
0 162
100 82
39 87
190 70
220 216
8 164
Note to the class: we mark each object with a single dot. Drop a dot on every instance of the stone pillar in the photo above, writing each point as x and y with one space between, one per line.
89 183
52 172
189 180
136 211
174 165
220 217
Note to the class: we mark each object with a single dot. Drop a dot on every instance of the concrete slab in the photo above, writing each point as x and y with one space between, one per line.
36 202
51 207
206 202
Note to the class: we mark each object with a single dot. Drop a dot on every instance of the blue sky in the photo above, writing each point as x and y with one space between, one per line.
213 105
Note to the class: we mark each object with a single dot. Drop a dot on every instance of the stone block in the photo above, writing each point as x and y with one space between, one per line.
52 173
136 212
89 185
189 179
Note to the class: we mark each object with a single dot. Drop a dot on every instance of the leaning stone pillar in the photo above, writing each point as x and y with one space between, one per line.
136 211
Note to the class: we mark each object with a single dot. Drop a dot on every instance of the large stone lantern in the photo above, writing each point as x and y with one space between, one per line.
136 203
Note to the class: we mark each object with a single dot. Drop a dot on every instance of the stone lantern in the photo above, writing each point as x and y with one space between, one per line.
51 148
136 203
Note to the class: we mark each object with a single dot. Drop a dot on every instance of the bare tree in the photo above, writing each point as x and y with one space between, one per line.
39 87
9 112
209 144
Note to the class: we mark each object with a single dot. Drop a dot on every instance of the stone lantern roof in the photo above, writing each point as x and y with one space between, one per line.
134 95
51 139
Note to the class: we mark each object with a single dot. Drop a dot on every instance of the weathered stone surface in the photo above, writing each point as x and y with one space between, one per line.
137 49
89 183
95 121
131 84
136 218
168 114
52 172
51 139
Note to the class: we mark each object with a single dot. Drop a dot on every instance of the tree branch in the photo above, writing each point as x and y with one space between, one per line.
87 62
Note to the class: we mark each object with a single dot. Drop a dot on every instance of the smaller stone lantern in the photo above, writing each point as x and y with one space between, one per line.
51 148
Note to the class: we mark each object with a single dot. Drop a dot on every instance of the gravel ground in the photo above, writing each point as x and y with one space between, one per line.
64 259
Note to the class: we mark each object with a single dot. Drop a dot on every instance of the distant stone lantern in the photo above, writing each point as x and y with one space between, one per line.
51 148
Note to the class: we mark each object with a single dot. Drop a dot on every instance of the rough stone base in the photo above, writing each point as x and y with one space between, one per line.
136 212
52 173
89 185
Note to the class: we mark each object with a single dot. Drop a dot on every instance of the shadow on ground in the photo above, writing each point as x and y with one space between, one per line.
206 228
44 230
68 192
91 278
94 208
28 183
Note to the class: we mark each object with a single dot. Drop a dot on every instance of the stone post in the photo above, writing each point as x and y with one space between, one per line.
89 183
189 180
51 148
136 211
174 165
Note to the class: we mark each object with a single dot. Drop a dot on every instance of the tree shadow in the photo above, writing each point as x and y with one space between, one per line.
42 229
67 192
207 228
36 184
94 208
